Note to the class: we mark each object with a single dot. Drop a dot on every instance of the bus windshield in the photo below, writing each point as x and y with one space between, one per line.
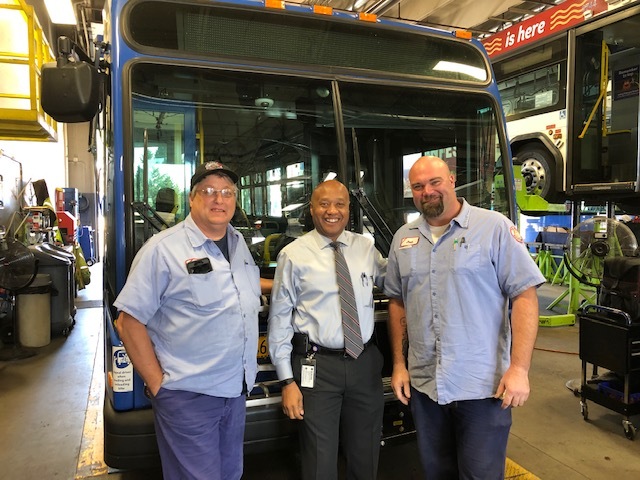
282 136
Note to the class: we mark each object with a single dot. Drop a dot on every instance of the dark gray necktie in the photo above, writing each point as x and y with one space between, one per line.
352 338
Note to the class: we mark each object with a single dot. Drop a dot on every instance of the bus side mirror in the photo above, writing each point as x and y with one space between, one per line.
70 92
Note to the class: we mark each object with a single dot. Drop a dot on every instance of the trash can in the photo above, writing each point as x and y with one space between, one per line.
33 311
68 254
60 268
85 239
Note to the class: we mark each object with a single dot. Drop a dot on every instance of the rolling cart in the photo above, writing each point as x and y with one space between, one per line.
609 339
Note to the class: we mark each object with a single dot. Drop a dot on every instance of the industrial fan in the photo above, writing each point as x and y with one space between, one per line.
593 241
18 268
588 245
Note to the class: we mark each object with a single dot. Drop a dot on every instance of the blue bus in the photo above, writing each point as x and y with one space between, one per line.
286 95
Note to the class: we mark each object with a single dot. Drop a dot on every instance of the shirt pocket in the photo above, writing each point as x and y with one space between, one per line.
363 289
204 288
414 268
466 259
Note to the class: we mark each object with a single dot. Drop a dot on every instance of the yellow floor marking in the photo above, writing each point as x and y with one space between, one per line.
90 460
513 471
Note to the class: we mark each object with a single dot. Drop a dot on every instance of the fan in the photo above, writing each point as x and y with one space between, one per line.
593 241
18 268
589 244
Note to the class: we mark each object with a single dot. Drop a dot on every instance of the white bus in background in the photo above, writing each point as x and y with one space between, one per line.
568 79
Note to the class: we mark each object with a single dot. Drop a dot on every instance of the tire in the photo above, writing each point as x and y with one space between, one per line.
539 172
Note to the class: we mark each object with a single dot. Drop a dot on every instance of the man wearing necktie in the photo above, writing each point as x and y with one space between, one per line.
321 340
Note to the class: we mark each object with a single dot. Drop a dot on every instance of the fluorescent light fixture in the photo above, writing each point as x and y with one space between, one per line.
475 72
61 12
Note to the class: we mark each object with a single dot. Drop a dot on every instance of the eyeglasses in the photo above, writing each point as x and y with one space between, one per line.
212 192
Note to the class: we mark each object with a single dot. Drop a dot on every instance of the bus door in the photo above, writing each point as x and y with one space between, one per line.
605 141
164 157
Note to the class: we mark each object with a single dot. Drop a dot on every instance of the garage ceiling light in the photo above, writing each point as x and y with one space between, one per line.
61 12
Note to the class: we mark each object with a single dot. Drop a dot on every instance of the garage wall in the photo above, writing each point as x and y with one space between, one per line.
40 160
82 172
59 166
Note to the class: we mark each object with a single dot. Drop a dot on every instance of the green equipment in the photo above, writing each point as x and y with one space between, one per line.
587 246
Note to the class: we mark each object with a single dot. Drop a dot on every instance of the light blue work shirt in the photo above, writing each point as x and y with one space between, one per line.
305 296
456 295
204 327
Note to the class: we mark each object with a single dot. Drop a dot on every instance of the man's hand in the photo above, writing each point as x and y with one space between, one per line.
292 401
514 388
400 383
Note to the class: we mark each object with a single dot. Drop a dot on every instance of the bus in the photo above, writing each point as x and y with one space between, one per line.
286 95
568 78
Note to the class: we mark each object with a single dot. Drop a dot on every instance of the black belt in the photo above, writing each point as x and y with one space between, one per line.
302 346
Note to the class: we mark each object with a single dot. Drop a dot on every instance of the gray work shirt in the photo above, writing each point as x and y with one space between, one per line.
456 296
204 327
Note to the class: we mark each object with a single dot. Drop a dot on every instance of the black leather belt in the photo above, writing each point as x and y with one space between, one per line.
302 346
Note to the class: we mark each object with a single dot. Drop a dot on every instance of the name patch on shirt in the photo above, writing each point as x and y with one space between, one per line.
516 234
408 242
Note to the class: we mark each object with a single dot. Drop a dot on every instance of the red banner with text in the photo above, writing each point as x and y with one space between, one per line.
544 24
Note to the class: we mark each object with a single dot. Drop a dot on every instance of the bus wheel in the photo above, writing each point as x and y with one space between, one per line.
538 169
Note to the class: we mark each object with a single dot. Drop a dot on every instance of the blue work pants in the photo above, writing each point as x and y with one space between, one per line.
463 440
200 437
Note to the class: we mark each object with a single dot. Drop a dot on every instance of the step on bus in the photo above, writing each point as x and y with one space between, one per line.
286 95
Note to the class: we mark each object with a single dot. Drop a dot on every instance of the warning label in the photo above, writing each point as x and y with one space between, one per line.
122 371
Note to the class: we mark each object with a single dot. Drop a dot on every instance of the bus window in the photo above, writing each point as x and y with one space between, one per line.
394 128
533 82
536 90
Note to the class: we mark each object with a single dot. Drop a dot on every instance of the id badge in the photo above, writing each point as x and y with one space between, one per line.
308 372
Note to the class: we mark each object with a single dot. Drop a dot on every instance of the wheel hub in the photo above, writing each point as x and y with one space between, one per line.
534 176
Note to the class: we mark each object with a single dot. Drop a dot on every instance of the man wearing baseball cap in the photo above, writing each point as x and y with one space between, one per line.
209 168
189 321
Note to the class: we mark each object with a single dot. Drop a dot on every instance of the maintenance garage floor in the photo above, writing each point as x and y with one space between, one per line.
50 414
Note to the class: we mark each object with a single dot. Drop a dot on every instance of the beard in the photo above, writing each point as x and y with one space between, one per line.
433 207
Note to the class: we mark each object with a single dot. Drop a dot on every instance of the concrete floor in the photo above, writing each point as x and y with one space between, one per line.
50 414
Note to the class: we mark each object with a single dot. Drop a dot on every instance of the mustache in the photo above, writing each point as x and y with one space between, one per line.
431 198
